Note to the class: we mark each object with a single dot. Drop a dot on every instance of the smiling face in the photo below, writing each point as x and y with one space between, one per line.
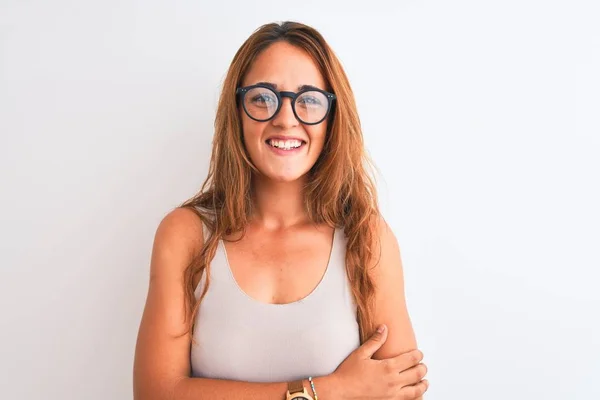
287 68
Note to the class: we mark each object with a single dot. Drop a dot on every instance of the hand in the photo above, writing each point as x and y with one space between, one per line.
360 377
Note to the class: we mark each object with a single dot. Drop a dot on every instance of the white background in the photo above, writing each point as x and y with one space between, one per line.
483 118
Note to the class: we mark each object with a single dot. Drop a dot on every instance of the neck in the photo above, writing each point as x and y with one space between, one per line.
279 204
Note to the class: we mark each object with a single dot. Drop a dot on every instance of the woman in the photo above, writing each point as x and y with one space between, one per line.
271 282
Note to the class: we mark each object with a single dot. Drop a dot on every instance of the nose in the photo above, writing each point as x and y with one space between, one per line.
285 118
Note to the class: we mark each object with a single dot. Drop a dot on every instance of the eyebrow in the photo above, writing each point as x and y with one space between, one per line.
274 86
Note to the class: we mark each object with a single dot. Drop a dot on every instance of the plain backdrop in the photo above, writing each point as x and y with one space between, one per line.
482 117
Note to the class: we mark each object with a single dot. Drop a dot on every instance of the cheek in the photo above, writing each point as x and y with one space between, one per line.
317 134
251 130
248 126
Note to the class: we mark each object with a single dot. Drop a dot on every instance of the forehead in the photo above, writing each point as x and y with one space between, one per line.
285 65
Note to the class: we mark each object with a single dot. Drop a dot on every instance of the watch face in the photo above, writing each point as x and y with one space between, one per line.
299 398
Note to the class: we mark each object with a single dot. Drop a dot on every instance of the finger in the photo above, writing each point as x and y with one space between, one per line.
412 375
414 391
406 360
375 342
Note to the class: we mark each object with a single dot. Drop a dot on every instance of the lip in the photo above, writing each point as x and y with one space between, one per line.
284 138
282 152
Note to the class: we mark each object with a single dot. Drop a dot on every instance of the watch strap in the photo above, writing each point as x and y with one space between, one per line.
296 386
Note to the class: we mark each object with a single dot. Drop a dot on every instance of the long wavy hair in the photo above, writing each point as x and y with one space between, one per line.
341 189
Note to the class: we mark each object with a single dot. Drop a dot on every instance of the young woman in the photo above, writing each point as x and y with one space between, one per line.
272 281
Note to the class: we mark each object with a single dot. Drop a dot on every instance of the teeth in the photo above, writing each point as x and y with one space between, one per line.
285 144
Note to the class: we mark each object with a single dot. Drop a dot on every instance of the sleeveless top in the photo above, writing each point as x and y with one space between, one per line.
240 338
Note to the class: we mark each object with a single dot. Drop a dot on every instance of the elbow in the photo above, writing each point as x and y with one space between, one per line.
156 390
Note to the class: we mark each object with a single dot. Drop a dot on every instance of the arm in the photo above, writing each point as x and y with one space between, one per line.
162 368
390 302
215 389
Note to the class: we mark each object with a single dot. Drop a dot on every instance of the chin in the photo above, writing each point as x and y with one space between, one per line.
289 176
284 178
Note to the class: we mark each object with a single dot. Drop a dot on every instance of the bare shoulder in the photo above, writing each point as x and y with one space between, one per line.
162 349
178 237
387 249
386 262
386 243
390 302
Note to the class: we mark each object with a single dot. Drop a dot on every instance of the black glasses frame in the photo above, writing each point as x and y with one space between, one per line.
241 91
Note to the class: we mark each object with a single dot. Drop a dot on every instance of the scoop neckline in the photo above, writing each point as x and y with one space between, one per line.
306 298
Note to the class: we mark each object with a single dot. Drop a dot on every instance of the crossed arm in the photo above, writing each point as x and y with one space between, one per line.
162 365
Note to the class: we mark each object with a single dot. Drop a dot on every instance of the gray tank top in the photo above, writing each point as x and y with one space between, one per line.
240 338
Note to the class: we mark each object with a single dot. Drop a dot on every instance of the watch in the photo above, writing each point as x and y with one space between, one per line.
297 391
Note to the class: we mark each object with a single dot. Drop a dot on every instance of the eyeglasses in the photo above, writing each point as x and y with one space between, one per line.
310 105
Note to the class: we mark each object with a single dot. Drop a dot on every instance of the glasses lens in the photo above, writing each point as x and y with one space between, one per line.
261 103
312 106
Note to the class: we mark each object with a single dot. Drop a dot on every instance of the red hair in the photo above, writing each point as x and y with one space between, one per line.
340 191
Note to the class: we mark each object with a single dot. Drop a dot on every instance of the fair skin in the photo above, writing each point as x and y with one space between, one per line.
385 367
280 233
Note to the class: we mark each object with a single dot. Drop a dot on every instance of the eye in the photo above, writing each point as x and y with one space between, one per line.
312 99
263 98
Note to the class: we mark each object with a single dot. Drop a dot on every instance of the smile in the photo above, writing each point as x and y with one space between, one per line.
285 147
